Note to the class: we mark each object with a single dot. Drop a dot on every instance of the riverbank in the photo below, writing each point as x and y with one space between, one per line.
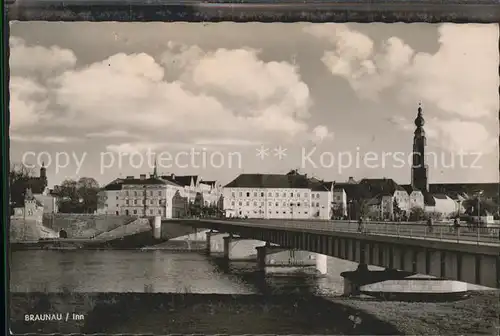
139 313
131 313
477 315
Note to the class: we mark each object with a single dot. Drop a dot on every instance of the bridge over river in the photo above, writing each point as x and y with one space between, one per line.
463 254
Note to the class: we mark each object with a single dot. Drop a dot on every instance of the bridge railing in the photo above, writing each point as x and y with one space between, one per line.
418 230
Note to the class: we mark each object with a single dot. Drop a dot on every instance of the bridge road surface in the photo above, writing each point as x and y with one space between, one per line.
444 232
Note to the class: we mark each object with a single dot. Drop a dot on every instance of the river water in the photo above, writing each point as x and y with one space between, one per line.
155 271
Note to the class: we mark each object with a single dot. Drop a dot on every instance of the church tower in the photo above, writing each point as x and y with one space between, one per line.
419 168
43 175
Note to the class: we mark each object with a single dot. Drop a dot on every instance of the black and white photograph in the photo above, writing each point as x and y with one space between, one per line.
250 178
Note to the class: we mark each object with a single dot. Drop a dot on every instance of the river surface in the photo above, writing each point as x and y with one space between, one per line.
154 271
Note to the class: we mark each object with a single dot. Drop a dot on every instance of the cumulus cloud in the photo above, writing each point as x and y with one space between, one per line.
460 80
37 59
227 93
28 102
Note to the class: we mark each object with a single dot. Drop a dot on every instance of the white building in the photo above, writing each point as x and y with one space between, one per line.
193 185
443 205
48 201
339 197
143 197
290 196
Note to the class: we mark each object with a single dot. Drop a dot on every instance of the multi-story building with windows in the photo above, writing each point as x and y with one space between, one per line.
143 196
290 196
194 187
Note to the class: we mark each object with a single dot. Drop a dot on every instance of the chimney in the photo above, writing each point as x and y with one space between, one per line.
351 179
172 176
142 176
129 177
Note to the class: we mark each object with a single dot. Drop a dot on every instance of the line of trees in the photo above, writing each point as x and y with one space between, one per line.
73 196
78 196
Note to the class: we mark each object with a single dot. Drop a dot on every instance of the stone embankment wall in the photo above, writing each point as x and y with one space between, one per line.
84 225
28 230
133 235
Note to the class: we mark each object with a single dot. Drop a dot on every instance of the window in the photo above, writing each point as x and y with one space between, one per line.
248 194
135 193
150 193
241 194
277 204
151 211
317 205
135 212
254 194
277 194
248 203
117 197
232 203
117 213
284 194
269 194
270 204
126 202
233 194
159 193
305 212
284 203
261 194
240 203
254 203
298 195
291 194
159 212
298 204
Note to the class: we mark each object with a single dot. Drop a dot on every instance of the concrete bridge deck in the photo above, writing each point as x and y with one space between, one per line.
466 255
488 236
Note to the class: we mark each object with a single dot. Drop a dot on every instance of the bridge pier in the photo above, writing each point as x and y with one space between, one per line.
280 260
353 280
214 244
157 227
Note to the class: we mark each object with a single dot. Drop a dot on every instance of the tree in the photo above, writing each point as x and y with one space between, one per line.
20 178
338 211
396 210
78 196
471 206
361 208
417 214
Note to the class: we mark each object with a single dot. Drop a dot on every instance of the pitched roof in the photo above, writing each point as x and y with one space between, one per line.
354 191
467 188
37 184
382 186
409 188
118 184
183 180
270 181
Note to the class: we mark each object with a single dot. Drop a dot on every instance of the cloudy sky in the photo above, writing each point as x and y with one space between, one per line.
99 92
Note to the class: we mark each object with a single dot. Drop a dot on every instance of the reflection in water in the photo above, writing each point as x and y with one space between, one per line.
118 271
156 271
